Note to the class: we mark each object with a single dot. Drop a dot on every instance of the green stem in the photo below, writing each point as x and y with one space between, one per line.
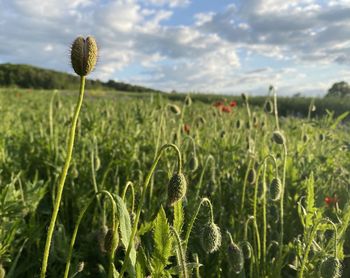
160 128
144 190
199 185
245 184
275 108
190 225
75 232
130 185
282 198
63 178
182 261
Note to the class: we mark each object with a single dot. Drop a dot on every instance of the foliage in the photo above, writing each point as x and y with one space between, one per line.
118 139
339 89
26 76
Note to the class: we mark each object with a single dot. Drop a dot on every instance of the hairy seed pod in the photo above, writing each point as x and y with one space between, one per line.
278 138
211 237
246 249
84 55
244 97
236 258
222 134
305 138
275 189
268 107
175 109
251 176
176 188
193 163
330 268
108 241
322 137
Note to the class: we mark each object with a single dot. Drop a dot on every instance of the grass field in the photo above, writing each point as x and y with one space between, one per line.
257 203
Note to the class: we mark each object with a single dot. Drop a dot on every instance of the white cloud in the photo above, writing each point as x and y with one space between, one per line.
171 3
216 52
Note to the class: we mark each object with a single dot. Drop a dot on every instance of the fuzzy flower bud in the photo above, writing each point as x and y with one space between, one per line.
278 138
275 189
236 258
176 188
211 237
84 55
330 268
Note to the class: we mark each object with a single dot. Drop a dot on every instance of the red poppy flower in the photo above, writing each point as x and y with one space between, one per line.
226 109
187 128
233 103
328 200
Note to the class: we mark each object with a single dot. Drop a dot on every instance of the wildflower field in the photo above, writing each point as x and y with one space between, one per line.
229 222
161 188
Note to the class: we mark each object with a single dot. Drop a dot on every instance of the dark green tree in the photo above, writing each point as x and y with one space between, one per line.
339 89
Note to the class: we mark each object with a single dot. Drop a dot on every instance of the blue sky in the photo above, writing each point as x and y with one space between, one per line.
215 46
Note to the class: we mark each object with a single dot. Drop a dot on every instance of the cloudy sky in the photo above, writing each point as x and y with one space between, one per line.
189 45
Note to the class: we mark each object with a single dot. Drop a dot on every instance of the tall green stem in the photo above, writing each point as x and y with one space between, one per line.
275 108
182 260
144 190
63 178
194 216
245 184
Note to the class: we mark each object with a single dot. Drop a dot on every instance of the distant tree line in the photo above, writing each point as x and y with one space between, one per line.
29 77
339 89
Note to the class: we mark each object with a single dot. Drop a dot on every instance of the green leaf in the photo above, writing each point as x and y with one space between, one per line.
125 233
339 119
162 242
178 217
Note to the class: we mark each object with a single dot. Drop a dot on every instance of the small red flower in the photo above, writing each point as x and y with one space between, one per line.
226 109
233 103
331 201
328 200
187 128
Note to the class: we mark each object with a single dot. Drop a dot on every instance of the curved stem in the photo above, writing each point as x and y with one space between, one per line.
199 185
130 185
160 128
193 219
275 108
62 178
115 233
182 261
75 232
282 198
245 184
144 190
